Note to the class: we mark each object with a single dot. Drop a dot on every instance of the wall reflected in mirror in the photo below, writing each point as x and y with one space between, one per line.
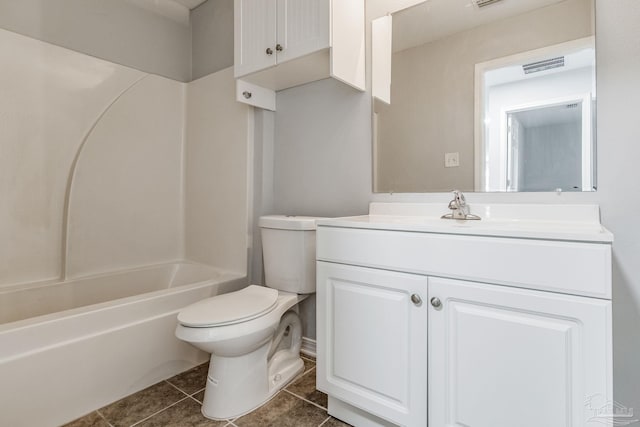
494 98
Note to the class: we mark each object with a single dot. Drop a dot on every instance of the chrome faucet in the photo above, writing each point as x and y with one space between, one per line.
459 208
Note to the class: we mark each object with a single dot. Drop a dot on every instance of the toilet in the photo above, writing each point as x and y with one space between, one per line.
254 334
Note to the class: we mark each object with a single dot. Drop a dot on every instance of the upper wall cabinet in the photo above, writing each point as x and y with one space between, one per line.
285 43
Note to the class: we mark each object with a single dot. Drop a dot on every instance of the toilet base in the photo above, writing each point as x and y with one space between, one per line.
238 385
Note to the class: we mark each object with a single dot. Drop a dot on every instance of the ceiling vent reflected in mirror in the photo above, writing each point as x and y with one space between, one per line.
484 3
547 64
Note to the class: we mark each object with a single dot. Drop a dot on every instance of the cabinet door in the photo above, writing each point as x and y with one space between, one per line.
303 27
504 357
254 35
372 340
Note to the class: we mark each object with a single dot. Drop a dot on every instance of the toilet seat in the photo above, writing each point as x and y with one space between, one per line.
230 308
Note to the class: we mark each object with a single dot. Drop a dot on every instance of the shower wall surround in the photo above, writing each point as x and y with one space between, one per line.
125 205
93 161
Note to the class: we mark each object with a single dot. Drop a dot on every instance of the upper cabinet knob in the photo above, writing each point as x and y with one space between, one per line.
436 303
269 51
279 47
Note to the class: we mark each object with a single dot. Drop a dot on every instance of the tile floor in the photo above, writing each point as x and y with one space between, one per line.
176 402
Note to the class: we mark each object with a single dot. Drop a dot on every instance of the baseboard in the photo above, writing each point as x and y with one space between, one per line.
308 347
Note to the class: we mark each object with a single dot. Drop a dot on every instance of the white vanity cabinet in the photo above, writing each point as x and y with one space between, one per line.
376 346
500 356
285 43
422 321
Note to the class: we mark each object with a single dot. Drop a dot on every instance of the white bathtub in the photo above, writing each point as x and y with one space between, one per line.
71 347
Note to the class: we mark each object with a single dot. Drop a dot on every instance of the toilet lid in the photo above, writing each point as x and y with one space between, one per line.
233 307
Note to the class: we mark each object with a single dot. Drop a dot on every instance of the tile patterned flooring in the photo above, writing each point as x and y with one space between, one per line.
176 403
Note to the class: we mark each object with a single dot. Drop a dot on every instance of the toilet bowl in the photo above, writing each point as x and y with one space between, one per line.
254 334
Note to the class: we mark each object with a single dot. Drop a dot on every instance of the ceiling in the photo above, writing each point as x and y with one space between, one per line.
434 19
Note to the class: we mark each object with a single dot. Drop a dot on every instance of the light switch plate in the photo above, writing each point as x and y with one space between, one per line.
451 160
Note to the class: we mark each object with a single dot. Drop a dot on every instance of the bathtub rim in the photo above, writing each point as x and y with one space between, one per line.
223 276
15 287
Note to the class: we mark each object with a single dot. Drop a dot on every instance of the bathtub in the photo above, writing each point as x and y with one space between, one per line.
70 347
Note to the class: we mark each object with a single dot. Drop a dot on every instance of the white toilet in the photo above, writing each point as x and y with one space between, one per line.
253 334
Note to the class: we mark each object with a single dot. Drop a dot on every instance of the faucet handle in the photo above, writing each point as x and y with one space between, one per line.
458 197
459 208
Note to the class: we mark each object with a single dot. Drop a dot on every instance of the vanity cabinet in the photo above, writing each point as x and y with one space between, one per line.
376 346
284 43
456 324
501 356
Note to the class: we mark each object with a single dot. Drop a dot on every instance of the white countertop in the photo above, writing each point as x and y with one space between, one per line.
556 222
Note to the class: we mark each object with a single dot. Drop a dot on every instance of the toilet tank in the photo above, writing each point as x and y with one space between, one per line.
289 252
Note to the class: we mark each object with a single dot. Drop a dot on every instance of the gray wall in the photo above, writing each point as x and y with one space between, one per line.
115 30
323 166
322 150
121 32
212 35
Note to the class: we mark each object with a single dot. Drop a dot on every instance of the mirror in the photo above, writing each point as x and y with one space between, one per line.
484 95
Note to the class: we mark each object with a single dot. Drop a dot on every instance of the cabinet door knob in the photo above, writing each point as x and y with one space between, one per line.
246 94
279 47
415 298
436 303
269 51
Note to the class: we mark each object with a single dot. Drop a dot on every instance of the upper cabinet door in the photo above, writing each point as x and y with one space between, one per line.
504 357
303 27
255 35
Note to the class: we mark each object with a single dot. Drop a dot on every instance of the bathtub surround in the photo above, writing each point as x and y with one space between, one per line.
57 367
128 176
217 172
103 168
106 168
51 100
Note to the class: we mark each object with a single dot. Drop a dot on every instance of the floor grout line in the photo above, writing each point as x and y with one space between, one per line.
178 388
230 422
161 410
103 417
193 396
195 400
306 400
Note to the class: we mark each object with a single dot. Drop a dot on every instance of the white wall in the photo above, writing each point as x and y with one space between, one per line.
217 173
311 118
116 30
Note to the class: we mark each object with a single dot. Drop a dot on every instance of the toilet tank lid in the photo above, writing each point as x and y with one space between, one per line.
289 222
